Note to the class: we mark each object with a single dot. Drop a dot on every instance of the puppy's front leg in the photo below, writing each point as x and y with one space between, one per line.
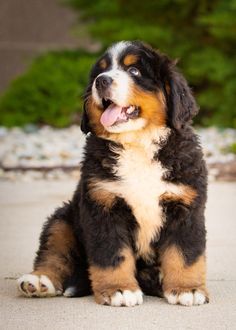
116 285
183 284
182 248
112 268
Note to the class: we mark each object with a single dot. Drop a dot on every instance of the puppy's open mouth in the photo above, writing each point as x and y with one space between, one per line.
114 114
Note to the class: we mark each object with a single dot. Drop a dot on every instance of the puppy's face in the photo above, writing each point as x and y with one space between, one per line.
128 91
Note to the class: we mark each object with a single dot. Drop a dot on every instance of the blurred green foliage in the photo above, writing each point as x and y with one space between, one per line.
232 148
49 92
200 33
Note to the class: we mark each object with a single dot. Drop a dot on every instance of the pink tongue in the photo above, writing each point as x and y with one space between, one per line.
111 115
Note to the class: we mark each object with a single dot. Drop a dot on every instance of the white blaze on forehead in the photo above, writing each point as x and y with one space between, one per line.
120 89
116 50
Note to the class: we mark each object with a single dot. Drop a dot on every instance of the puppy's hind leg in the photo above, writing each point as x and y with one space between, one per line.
54 261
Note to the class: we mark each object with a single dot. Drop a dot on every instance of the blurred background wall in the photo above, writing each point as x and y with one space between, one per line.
28 28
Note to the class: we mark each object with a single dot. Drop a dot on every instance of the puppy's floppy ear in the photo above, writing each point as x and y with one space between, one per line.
181 104
84 125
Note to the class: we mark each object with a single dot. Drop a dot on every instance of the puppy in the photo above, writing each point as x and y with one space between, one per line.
136 221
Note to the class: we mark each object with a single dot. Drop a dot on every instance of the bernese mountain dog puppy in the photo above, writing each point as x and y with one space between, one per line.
136 221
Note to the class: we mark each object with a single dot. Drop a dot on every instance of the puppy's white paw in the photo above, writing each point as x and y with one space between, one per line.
127 298
32 285
70 291
199 298
186 298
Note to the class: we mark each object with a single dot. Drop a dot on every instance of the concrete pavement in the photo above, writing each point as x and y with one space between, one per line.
24 207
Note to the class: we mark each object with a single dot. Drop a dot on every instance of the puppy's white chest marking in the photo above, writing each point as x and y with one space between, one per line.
141 185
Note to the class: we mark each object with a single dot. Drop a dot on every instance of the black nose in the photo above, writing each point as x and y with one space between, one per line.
103 82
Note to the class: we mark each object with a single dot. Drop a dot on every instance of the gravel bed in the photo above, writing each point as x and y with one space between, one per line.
33 154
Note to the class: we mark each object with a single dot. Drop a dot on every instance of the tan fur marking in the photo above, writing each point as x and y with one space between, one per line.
55 262
61 238
106 281
130 59
152 105
186 195
100 195
103 64
179 277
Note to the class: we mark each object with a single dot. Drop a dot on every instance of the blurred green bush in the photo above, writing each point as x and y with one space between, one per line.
49 92
200 33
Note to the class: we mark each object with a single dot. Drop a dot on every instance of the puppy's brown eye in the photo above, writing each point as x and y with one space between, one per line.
134 71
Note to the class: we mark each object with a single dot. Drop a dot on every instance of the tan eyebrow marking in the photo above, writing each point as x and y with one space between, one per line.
130 59
103 64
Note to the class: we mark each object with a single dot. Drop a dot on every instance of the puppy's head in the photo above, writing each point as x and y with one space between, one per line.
132 87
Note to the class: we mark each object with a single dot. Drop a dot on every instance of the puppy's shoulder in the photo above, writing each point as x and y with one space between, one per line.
100 158
182 155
